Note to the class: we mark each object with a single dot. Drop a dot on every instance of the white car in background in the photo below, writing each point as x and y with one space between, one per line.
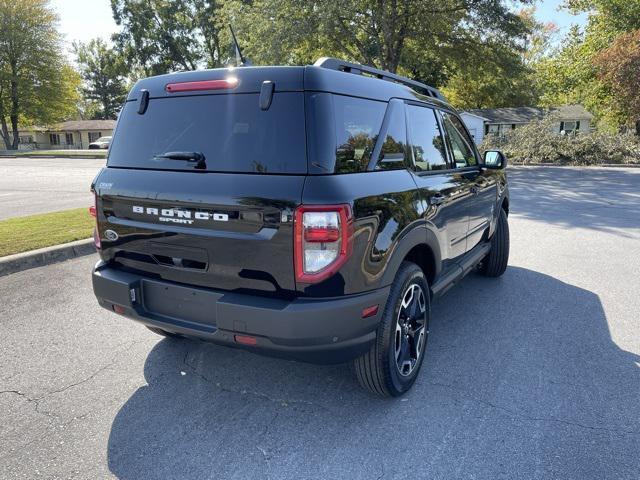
102 143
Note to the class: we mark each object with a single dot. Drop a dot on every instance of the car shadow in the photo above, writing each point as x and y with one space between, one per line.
606 199
524 370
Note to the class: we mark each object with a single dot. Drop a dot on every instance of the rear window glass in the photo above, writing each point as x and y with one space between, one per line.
231 131
357 124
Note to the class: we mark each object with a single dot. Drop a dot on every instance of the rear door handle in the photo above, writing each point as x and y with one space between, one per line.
437 199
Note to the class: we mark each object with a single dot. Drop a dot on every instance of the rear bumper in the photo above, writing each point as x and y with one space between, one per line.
328 330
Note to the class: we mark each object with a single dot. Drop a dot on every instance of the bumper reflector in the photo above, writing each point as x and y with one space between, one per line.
118 309
370 311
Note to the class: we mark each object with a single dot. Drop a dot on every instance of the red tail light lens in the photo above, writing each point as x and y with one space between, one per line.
323 235
93 211
231 82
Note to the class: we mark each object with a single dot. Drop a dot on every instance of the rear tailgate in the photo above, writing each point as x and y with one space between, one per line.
201 229
224 220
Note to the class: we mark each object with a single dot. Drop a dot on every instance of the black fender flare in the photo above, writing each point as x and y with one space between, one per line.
419 235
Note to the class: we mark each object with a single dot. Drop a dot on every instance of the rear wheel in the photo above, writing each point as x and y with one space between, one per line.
164 333
495 263
392 364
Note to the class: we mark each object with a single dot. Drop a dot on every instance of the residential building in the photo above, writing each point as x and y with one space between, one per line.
497 121
74 134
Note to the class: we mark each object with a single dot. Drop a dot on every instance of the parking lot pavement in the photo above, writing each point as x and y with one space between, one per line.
38 185
534 375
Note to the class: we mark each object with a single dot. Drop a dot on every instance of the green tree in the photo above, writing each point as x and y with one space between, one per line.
570 74
619 67
36 84
103 71
159 36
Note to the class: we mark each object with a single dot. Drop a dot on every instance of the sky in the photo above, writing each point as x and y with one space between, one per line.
86 19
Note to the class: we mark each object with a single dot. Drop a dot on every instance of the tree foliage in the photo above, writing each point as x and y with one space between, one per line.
36 84
619 67
539 142
159 36
430 40
572 74
104 73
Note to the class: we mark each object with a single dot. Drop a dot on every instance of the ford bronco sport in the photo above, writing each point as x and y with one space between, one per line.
308 212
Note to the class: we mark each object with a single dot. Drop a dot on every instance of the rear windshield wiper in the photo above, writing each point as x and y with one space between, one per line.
192 157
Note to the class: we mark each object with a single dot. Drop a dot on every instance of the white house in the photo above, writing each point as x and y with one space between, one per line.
74 134
475 124
497 121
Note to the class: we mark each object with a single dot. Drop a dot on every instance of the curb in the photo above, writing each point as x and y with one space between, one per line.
79 157
45 256
602 165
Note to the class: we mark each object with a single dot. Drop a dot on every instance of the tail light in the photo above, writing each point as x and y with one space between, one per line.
93 211
323 235
227 83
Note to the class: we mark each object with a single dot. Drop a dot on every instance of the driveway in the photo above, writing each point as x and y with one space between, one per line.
534 375
38 185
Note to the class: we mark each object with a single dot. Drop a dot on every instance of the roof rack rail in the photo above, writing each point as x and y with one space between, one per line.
348 67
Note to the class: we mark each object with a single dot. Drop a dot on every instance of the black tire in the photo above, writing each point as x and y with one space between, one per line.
164 333
495 263
378 370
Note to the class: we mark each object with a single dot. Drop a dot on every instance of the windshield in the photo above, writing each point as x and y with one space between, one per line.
231 131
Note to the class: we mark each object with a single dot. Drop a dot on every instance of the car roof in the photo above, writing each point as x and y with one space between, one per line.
286 79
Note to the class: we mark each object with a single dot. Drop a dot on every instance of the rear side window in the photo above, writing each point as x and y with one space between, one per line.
231 131
427 142
459 141
357 124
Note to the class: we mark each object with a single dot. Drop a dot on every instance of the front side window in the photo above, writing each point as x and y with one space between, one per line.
459 142
68 137
427 143
357 124
54 139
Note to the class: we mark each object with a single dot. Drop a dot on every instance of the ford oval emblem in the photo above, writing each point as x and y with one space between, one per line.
111 235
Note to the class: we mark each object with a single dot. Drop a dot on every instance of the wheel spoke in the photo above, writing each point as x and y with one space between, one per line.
416 339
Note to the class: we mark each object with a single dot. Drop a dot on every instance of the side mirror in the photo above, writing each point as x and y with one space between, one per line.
495 159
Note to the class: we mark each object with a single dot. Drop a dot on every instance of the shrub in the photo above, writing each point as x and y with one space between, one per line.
539 142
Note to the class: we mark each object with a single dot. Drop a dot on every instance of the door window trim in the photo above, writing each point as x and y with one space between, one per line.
393 104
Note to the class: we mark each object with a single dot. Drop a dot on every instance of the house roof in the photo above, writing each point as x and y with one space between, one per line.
528 114
74 126
474 115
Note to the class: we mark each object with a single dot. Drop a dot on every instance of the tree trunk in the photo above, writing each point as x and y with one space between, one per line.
15 107
4 130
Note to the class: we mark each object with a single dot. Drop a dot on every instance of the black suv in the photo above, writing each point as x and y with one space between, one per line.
306 212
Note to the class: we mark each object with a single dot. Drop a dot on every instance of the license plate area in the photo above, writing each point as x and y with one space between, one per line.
179 303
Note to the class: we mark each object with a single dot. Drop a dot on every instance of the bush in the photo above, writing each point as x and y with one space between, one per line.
539 142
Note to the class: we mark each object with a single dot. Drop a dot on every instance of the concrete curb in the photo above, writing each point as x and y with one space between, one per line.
45 256
79 157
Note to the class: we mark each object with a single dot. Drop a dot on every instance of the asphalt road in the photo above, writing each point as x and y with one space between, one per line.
532 376
37 185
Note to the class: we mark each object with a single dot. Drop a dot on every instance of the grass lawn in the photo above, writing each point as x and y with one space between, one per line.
37 231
